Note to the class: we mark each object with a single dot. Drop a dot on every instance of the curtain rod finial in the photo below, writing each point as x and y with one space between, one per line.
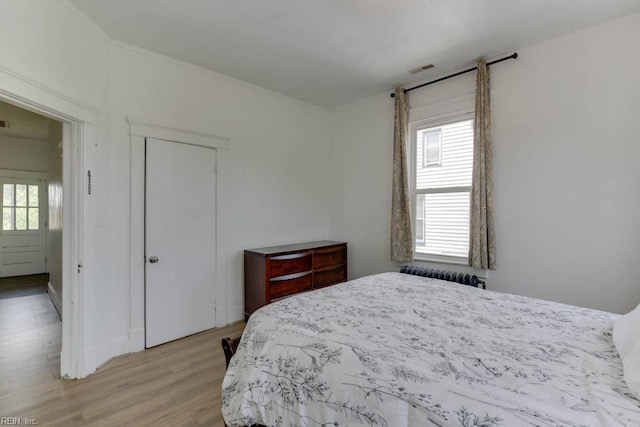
393 95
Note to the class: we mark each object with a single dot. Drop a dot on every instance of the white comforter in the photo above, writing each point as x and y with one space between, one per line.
398 350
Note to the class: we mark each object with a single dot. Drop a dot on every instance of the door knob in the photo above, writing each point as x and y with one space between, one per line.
153 259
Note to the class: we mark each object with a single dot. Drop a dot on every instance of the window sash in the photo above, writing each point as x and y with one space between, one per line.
437 190
426 147
446 226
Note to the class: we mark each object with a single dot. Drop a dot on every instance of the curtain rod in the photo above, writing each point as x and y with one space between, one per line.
513 56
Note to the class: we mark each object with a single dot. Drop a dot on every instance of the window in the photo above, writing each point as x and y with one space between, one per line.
20 209
431 147
442 194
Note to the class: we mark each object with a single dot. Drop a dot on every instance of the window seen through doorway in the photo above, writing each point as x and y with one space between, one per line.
20 210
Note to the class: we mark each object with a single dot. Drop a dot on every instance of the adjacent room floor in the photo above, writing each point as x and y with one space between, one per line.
175 384
13 287
30 330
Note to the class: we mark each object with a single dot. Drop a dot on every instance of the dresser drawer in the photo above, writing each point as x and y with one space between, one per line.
329 256
329 277
282 265
291 284
276 272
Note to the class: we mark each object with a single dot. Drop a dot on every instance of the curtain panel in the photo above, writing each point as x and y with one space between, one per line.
482 243
401 225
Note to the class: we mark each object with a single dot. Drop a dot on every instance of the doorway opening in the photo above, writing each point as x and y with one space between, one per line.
78 126
31 283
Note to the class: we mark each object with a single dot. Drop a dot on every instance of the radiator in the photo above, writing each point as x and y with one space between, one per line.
464 279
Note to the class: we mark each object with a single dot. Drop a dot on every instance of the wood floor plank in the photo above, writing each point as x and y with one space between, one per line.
176 384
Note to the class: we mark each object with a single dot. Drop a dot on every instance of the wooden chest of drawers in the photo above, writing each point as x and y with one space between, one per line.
279 271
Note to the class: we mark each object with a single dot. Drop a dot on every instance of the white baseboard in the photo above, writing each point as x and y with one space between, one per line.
55 298
136 340
235 314
90 361
221 316
98 355
112 349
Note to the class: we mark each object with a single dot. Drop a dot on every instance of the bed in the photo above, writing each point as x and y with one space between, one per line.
399 350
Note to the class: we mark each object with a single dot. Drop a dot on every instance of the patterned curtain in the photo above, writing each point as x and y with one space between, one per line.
482 242
401 229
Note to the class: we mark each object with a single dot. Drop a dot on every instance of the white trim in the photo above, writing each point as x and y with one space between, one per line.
89 360
433 116
109 350
136 245
441 190
136 336
55 298
35 96
222 303
72 356
441 113
222 316
148 129
441 259
139 131
235 314
79 120
11 173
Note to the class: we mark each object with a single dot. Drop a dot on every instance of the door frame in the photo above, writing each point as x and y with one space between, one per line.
79 121
139 130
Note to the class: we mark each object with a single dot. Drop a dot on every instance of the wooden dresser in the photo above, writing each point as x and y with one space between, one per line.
279 271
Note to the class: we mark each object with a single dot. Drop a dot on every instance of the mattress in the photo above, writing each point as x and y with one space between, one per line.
400 350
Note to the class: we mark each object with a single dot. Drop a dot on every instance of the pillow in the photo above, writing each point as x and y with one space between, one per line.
626 332
631 365
626 338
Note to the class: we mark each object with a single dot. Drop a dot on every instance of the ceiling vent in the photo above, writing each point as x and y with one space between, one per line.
4 124
419 69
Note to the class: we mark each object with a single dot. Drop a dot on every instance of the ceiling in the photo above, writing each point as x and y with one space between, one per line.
331 52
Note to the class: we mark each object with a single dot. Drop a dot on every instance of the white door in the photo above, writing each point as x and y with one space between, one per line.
180 240
23 237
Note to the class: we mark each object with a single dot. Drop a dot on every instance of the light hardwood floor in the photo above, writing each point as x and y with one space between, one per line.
175 384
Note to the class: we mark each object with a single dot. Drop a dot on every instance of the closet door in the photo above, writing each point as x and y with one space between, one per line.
180 240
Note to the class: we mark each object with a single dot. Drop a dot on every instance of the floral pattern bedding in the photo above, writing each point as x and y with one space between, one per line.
399 350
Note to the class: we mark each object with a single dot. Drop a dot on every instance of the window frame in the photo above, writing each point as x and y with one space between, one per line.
28 207
37 179
434 117
417 241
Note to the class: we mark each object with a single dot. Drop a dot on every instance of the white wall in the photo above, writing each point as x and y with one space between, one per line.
50 43
55 206
24 144
24 154
566 170
277 168
278 159
52 47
